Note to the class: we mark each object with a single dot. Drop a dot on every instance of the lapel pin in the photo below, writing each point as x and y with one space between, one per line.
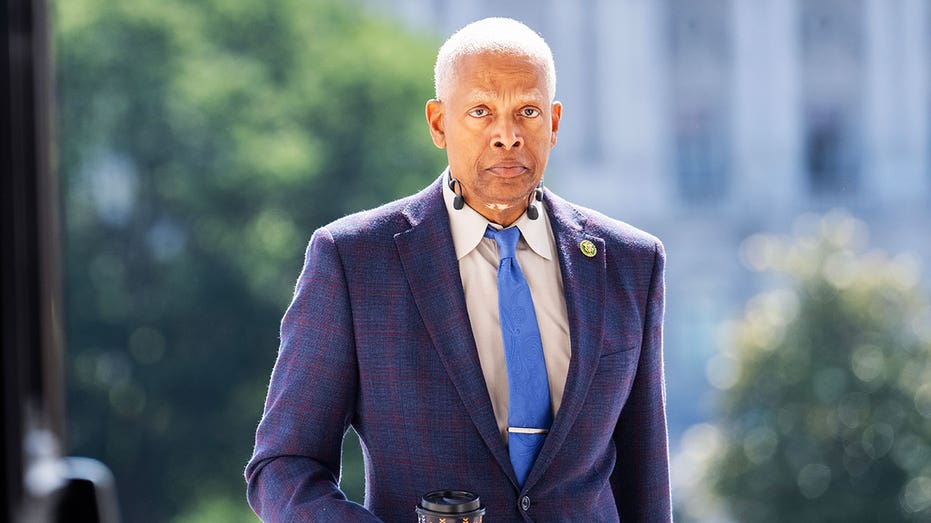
588 248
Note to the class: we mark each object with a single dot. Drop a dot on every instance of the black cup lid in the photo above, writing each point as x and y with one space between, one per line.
451 501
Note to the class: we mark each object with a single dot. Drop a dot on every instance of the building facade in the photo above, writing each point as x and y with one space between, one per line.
706 121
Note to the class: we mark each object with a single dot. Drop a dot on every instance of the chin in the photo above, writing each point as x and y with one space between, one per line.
501 201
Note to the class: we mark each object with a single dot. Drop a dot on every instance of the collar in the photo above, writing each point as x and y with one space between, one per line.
468 227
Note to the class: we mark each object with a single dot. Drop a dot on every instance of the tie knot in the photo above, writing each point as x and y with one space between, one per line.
506 240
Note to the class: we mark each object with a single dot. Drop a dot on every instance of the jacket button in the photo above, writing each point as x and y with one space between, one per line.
525 503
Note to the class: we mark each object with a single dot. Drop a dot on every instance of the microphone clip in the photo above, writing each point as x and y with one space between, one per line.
536 196
458 202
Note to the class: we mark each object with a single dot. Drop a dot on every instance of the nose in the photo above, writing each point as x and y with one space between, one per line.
506 134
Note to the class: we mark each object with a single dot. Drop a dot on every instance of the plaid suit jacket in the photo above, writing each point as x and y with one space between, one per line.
378 337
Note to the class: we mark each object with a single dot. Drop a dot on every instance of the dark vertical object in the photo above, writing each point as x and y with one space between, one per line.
32 397
36 484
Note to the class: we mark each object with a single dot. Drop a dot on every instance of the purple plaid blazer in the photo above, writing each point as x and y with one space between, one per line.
378 337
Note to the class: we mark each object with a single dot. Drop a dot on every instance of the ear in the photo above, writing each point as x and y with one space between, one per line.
436 122
555 115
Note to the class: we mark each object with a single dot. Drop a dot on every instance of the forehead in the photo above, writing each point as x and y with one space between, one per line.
492 74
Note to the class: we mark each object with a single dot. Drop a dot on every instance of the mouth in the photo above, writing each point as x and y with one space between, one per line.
508 169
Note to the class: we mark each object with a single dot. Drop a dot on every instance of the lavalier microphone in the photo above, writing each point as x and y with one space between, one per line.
458 202
536 196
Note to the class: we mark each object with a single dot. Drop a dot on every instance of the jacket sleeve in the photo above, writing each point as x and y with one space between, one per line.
640 480
294 470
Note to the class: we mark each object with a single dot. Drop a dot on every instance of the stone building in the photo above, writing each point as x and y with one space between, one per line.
706 121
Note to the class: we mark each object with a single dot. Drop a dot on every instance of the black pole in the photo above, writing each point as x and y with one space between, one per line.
31 393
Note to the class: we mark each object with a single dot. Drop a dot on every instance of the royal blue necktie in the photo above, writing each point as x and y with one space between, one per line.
529 412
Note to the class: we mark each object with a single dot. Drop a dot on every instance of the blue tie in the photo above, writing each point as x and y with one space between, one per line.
529 413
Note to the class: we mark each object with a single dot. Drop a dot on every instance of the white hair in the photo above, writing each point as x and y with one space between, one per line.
496 35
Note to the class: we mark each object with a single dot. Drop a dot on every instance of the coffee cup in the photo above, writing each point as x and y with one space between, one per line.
450 506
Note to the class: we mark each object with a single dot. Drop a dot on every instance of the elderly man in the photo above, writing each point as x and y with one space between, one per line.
482 335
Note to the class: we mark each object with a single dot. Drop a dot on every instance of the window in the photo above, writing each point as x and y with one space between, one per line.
832 44
700 66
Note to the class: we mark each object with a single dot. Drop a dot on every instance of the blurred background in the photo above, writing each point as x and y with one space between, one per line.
781 149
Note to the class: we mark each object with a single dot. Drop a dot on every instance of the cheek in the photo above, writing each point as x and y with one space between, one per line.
540 147
463 159
464 137
467 147
539 135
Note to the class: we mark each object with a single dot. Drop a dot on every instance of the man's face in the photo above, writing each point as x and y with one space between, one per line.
497 125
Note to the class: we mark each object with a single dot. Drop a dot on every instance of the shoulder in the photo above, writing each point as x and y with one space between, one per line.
614 232
621 233
387 218
383 222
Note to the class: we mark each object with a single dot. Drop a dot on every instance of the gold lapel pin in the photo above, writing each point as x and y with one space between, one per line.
588 248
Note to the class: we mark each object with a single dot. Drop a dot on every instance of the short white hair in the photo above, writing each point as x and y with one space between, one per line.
495 35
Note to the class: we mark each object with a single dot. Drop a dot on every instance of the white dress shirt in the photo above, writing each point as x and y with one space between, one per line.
478 268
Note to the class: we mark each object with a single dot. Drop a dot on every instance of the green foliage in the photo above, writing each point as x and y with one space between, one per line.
827 402
224 509
200 143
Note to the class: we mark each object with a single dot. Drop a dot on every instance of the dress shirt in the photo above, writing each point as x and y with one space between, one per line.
478 268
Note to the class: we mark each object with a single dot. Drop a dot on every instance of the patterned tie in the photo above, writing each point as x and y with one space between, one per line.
529 413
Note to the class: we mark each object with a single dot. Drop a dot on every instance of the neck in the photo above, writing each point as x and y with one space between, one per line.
504 217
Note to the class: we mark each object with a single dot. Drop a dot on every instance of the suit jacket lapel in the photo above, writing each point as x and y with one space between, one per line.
429 261
584 286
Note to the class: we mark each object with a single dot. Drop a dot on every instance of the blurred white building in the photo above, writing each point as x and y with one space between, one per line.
705 121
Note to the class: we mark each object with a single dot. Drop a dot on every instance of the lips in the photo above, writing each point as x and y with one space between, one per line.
508 169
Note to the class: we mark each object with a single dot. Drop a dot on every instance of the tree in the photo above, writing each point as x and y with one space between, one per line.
827 403
200 144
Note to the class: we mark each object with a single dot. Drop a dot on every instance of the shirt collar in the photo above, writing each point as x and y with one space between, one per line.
468 227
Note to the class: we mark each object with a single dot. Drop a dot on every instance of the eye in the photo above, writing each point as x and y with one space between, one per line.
478 112
530 112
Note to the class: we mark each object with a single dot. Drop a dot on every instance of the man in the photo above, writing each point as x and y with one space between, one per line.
396 329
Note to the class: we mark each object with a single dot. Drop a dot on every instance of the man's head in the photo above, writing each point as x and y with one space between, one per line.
495 113
502 35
